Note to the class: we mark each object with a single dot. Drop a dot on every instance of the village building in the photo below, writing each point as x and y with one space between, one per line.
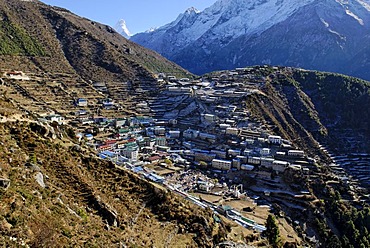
265 151
209 117
130 153
274 139
247 167
280 166
233 152
296 153
160 141
221 164
81 102
174 134
267 162
232 131
254 160
191 134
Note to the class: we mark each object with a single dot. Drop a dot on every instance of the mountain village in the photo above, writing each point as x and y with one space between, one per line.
106 142
198 141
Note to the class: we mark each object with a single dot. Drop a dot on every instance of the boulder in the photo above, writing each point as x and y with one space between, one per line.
40 179
4 183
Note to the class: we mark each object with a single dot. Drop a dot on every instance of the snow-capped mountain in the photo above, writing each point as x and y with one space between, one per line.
122 29
314 34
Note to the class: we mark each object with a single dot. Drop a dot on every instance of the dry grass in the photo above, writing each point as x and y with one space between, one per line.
65 213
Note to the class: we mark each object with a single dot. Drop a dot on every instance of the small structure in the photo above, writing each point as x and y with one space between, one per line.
191 134
204 186
130 153
160 141
267 162
221 164
119 122
280 166
174 134
55 117
296 153
155 178
232 131
108 103
81 102
265 151
274 139
254 160
209 117
233 152
247 167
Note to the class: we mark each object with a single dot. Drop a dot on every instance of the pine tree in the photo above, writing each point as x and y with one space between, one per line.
272 232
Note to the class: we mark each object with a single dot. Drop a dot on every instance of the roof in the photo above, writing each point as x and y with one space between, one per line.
154 158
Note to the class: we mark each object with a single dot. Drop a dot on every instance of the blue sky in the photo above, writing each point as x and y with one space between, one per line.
140 15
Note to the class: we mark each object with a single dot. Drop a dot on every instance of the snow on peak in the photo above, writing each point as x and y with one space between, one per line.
152 29
192 10
122 29
238 17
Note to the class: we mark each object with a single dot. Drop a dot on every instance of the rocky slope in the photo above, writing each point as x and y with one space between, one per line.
309 106
38 37
325 35
52 196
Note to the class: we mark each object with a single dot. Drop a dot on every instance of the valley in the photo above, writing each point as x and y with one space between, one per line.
208 126
106 143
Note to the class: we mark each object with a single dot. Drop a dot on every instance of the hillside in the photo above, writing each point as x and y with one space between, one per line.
38 37
277 100
325 105
324 35
52 196
73 91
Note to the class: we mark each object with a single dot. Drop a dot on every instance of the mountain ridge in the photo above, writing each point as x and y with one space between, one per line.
319 35
68 41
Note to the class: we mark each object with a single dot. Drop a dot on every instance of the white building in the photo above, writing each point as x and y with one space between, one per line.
209 117
254 160
274 139
120 122
232 131
247 167
265 151
233 153
174 134
81 102
221 164
159 130
296 153
224 126
205 186
56 118
130 153
142 105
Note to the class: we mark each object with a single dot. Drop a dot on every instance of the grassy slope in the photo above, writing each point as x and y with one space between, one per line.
95 51
15 41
